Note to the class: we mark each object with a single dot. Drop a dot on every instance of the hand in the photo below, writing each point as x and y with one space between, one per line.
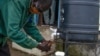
47 43
45 46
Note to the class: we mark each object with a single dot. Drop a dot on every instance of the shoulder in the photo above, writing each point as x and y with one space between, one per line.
20 3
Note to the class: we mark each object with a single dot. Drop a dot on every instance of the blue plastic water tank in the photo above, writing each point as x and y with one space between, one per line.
81 20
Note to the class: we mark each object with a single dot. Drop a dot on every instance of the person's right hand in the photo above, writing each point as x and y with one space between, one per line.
45 46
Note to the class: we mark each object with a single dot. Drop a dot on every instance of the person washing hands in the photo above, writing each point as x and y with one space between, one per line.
14 16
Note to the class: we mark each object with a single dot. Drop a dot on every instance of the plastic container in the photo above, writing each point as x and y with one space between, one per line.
81 20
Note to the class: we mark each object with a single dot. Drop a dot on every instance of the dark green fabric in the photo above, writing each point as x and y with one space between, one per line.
34 34
3 19
13 17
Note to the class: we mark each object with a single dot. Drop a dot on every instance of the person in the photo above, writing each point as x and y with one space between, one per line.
14 16
49 15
